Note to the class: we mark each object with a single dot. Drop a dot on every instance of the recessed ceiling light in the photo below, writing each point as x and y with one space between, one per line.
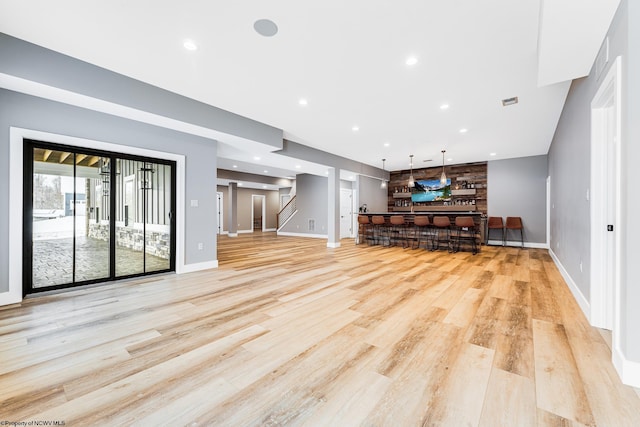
265 27
302 101
355 128
291 177
412 60
298 166
264 186
492 154
386 144
256 158
449 159
326 173
239 184
190 45
351 177
463 130
444 107
235 166
266 171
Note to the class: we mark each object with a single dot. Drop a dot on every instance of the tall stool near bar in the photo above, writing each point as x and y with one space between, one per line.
365 229
423 231
442 226
514 223
379 228
495 223
465 230
398 230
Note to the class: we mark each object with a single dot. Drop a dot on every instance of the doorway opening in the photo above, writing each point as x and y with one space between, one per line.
258 213
346 213
605 203
92 216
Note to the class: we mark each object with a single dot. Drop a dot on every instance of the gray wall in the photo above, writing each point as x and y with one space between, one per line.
569 168
369 192
518 187
28 112
311 202
245 206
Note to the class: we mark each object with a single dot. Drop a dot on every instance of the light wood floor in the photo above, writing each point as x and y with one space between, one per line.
288 332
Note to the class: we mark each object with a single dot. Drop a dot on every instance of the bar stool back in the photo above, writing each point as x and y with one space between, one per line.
442 227
465 231
398 230
514 223
422 231
365 229
379 228
495 223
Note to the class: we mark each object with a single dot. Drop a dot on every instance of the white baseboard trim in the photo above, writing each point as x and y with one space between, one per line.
517 244
585 306
628 370
315 236
190 268
269 229
232 234
244 231
333 245
10 297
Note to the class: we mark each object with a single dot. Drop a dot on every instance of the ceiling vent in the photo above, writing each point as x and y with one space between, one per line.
509 101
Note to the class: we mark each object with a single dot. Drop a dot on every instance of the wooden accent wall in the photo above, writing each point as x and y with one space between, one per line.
475 173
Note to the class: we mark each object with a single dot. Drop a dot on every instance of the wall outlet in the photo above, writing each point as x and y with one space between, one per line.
580 266
200 246
194 203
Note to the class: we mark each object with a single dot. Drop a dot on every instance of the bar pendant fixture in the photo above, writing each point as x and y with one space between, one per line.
443 177
412 182
383 183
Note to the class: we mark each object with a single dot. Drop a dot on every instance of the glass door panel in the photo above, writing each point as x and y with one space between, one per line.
92 210
157 197
52 218
129 220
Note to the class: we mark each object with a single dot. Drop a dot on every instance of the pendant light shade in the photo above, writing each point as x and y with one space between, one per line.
383 183
412 182
443 177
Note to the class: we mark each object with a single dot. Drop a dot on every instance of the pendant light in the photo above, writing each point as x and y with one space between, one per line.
411 182
443 177
383 183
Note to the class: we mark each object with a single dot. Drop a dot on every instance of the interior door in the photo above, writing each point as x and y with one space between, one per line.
346 213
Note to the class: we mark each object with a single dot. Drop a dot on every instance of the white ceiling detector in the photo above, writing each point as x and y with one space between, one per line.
265 27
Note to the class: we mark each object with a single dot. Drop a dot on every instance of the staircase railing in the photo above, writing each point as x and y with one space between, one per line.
286 212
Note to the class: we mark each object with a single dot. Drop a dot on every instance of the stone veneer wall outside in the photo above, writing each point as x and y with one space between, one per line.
131 238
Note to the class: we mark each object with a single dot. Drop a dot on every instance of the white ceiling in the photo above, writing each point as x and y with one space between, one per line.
348 60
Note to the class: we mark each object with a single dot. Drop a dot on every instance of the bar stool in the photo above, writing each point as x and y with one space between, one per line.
379 228
422 231
465 230
495 223
514 223
365 229
442 225
398 229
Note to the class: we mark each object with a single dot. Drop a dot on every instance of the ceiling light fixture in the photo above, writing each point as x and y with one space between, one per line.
302 101
355 128
464 130
412 60
386 144
411 182
492 154
298 166
444 107
256 158
190 45
235 166
383 183
443 177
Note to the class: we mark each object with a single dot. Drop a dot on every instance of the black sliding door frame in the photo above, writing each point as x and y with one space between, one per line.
28 214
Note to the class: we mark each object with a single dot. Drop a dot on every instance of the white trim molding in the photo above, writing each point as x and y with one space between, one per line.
314 236
191 268
573 287
517 244
628 370
333 245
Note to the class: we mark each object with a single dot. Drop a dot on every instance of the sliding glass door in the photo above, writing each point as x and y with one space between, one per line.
94 216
